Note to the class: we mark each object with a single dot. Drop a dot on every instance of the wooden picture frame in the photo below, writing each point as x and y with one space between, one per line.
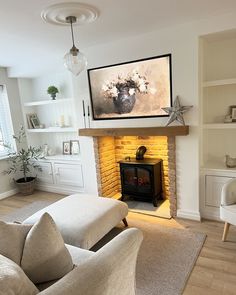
66 147
35 121
135 89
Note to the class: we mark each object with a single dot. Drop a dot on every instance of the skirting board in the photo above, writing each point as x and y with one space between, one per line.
8 193
193 215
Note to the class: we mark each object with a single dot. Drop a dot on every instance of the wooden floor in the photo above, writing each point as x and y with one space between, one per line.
215 269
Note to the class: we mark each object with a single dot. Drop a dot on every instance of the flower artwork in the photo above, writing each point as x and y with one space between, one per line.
131 90
133 82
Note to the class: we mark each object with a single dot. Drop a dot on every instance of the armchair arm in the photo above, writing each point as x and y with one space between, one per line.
228 193
110 271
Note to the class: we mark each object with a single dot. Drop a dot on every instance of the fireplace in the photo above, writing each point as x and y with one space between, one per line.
112 145
141 179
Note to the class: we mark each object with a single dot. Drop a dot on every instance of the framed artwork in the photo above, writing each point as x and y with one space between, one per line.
135 89
74 147
35 121
233 113
66 147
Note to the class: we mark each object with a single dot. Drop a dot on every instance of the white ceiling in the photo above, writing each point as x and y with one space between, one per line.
29 46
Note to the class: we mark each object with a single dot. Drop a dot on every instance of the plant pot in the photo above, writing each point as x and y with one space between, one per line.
53 96
124 103
26 188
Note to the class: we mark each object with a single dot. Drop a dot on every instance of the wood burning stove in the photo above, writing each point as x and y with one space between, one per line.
141 179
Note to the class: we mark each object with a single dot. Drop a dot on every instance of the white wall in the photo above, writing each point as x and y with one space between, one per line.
182 42
6 184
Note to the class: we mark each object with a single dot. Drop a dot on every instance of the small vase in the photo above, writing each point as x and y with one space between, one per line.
53 96
124 102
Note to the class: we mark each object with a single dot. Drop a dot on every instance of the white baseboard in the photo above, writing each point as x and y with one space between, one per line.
8 193
193 215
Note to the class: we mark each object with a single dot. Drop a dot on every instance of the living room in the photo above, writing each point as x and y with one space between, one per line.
200 38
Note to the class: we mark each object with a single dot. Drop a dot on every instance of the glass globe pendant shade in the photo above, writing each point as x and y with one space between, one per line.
75 61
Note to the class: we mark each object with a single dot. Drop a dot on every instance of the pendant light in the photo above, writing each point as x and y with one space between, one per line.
74 60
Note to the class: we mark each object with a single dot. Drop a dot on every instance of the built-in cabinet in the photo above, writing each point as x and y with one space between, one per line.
218 138
60 175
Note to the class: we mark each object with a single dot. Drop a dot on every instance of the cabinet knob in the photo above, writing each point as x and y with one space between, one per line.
57 173
50 173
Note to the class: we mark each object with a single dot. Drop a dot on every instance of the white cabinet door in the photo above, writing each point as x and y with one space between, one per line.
214 186
46 175
69 174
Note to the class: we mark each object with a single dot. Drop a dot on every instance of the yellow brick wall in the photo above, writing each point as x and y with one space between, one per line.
157 147
107 166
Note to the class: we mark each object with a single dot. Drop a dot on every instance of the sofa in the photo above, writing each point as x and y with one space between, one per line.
35 260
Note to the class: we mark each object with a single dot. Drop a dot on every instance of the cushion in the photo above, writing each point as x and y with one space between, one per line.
12 240
13 280
45 256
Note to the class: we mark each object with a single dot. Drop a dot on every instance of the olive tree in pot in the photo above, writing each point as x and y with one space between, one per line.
24 161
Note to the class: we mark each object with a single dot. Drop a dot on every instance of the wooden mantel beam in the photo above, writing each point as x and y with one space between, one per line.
143 131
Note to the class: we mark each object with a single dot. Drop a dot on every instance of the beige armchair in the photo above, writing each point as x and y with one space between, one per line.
109 271
228 206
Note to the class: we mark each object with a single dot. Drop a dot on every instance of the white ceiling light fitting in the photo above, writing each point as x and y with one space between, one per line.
65 14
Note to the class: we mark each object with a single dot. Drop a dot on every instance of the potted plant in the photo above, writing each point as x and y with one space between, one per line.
24 161
52 90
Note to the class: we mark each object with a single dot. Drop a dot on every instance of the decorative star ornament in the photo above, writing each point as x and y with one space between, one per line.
176 112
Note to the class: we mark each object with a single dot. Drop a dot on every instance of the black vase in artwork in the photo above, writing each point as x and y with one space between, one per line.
124 102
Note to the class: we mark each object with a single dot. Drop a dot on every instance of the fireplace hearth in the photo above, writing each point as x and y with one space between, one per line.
141 179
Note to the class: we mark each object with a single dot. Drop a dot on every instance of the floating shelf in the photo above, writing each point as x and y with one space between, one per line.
220 126
46 102
219 82
146 131
52 130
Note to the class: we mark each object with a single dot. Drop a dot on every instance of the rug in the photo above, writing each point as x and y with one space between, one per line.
21 214
162 210
166 257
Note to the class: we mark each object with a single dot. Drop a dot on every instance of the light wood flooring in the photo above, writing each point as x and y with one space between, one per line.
215 269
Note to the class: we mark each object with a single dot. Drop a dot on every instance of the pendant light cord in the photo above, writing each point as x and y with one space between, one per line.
72 33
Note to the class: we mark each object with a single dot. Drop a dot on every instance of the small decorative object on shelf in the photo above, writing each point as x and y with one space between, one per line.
230 162
74 147
176 112
52 90
233 113
66 147
228 119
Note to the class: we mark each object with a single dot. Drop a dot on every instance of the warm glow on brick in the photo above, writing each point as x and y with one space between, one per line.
110 150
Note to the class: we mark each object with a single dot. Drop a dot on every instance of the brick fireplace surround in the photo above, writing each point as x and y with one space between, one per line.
113 145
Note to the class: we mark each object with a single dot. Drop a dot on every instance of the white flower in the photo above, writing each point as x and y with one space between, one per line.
135 77
142 88
131 91
114 92
104 88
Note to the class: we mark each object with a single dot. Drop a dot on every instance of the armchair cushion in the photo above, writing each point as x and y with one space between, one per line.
228 195
12 240
45 256
13 280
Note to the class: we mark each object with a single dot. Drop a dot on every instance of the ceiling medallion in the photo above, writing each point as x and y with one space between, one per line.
56 14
